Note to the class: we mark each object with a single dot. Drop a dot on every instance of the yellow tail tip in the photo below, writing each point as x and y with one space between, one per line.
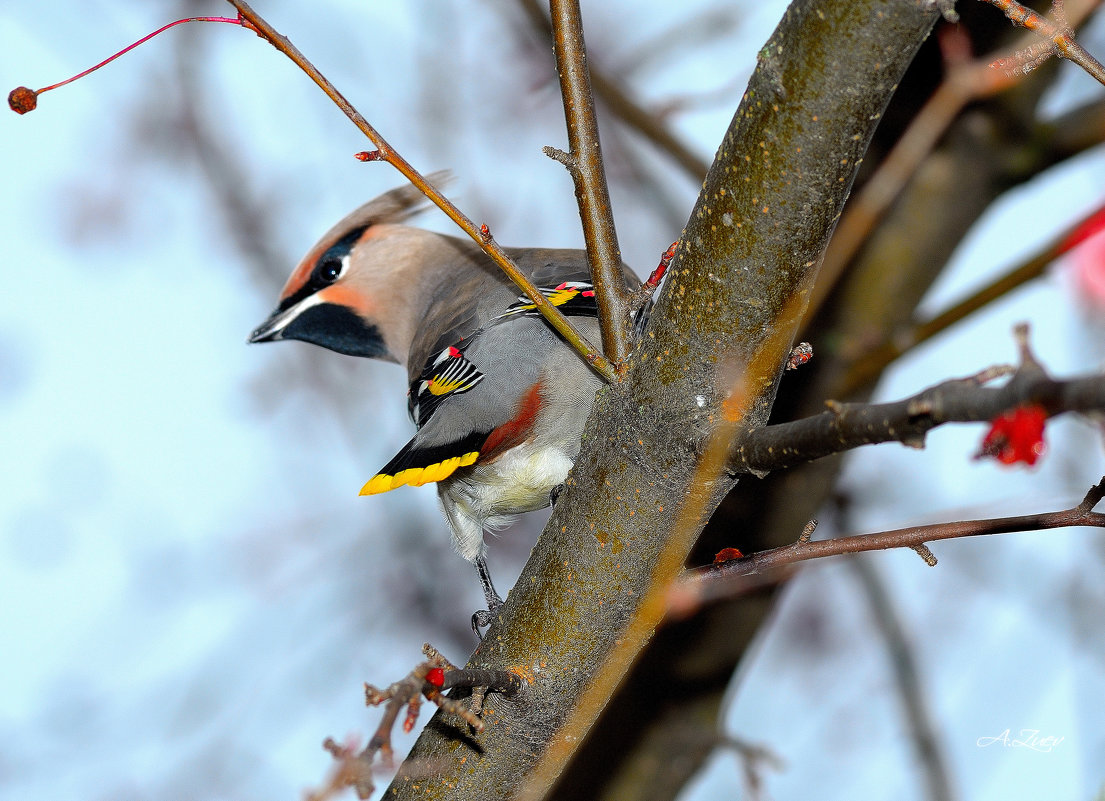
377 484
417 476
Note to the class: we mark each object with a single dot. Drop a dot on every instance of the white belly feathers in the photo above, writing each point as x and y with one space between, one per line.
489 495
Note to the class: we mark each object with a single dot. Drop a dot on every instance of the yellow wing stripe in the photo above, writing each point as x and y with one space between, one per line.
443 386
562 296
417 476
557 297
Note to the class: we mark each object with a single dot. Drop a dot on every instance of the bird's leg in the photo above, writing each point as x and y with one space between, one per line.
482 618
489 593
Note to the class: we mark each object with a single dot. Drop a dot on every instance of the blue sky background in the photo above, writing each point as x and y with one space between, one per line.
191 592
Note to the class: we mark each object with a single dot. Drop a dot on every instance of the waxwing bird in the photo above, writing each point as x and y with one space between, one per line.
499 400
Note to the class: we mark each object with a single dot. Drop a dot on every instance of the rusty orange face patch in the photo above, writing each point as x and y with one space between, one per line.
345 295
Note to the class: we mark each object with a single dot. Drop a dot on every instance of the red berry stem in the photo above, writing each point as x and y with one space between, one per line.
21 100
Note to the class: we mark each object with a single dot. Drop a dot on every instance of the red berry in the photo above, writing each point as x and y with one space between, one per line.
436 677
1090 227
21 99
727 555
1016 436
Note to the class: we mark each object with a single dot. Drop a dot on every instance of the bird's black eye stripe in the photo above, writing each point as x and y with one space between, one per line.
330 263
327 268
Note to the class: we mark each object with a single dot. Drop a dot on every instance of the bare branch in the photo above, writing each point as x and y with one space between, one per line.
712 583
906 676
1058 34
587 171
632 113
849 425
754 759
430 679
966 81
875 360
1072 133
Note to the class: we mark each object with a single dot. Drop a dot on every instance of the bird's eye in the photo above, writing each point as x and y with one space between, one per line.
329 270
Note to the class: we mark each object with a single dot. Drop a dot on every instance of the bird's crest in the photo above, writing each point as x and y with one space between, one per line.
394 206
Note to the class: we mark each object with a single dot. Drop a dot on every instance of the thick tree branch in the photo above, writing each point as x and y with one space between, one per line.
585 604
1072 133
584 163
385 152
982 155
711 583
849 425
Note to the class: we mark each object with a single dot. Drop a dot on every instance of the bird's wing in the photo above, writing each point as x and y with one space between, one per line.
573 298
448 374
475 399
428 458
479 293
502 341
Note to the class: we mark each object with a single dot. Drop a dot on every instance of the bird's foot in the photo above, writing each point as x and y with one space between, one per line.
483 618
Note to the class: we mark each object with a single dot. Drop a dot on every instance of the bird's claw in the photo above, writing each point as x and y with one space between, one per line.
484 618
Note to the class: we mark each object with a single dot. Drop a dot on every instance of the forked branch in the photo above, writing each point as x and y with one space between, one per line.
965 400
429 679
584 163
966 80
1058 37
708 584
877 357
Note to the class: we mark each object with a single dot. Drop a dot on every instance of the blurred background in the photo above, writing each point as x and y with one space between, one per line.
191 592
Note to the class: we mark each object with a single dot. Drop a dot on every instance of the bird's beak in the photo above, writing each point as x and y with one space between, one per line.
272 329
329 325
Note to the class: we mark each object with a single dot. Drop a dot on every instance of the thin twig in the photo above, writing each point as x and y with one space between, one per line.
875 360
645 291
625 108
385 152
907 678
754 757
589 176
1060 36
714 582
429 679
